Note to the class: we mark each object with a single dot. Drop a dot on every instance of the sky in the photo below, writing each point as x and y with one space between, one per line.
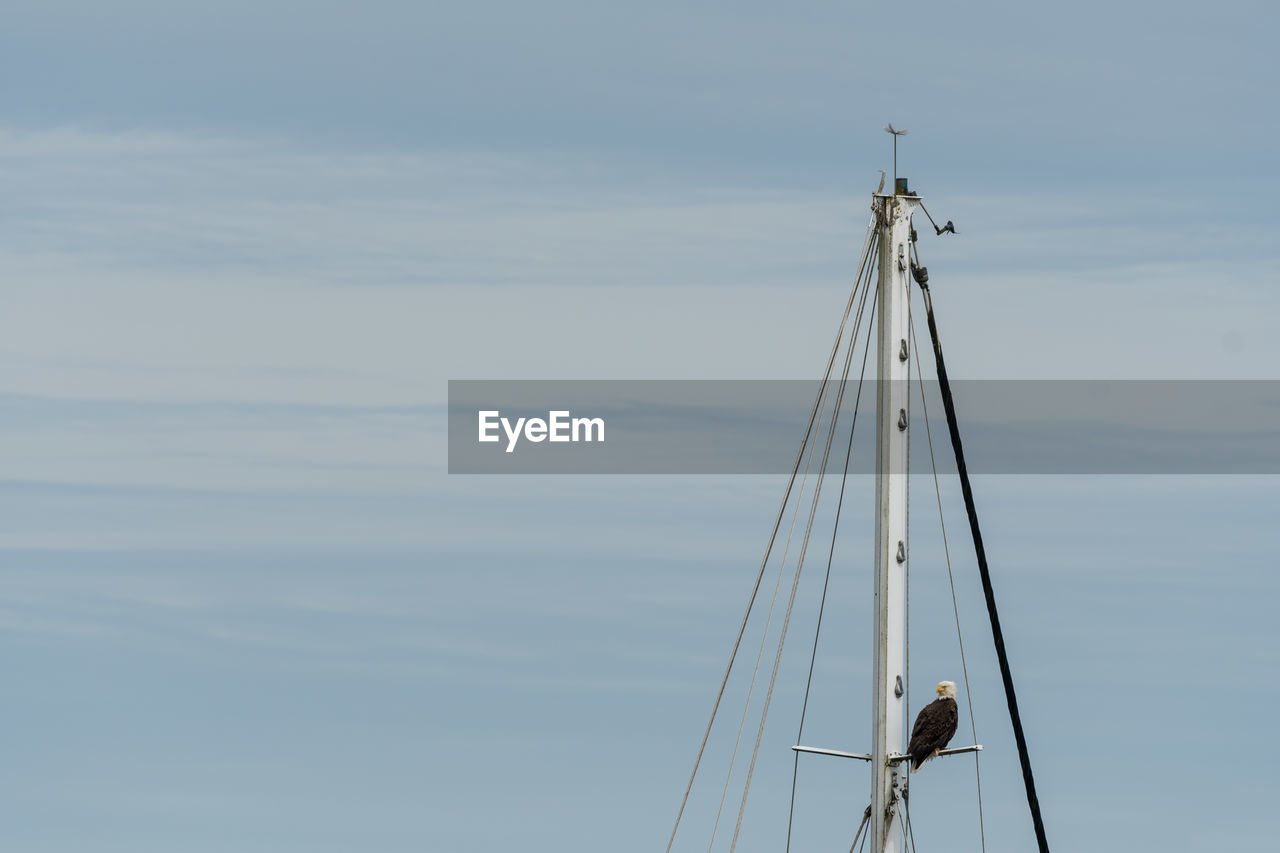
244 247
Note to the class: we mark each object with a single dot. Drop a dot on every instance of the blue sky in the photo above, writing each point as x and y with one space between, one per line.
244 247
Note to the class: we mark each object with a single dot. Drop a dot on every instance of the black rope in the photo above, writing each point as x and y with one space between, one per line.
922 277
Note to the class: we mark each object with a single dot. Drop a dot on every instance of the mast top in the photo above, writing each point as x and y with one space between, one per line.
895 133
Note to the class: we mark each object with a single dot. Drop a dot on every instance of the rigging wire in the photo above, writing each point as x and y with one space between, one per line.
909 836
764 636
866 816
804 707
955 606
865 835
782 636
684 801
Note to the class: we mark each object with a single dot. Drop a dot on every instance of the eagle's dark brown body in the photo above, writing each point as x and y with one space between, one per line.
933 730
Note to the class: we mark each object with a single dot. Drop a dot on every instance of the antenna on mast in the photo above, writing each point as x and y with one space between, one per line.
889 128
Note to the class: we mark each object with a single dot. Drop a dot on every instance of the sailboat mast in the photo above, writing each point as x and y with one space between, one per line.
888 772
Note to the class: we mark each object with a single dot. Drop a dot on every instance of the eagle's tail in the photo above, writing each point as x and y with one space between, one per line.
918 760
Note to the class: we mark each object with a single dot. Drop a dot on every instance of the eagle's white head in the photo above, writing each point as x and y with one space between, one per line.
946 690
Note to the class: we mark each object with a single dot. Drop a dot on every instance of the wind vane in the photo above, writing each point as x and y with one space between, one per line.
888 128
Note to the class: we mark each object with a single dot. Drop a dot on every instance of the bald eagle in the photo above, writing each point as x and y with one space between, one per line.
935 726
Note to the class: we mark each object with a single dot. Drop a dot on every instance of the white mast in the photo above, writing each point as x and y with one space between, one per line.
889 765
888 771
